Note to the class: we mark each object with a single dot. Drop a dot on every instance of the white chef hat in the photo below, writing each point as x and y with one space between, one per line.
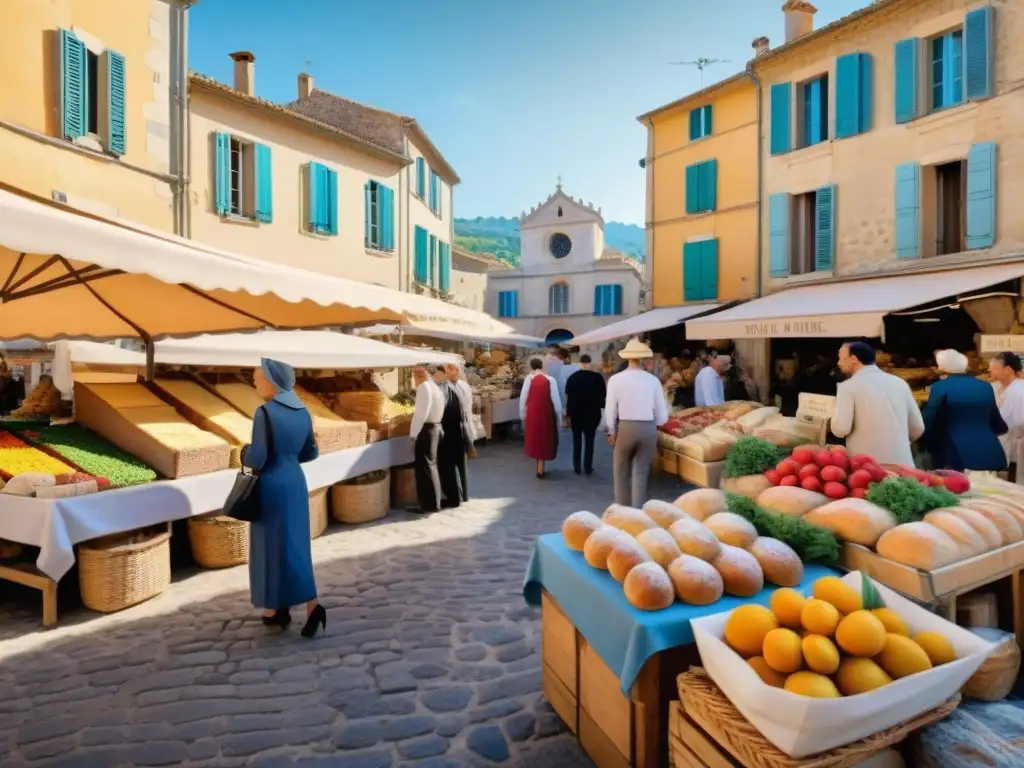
951 361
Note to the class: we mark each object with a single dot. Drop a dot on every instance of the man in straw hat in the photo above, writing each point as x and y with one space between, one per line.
634 409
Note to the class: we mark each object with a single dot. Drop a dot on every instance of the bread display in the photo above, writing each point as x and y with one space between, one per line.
857 521
662 512
628 519
779 563
919 545
600 545
741 574
648 587
625 554
659 544
790 500
1006 523
729 528
968 540
702 503
695 581
695 539
577 529
982 526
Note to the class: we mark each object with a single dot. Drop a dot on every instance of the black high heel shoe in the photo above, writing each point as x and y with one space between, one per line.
280 619
317 618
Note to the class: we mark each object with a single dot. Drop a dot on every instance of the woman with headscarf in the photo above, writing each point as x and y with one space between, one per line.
961 420
280 558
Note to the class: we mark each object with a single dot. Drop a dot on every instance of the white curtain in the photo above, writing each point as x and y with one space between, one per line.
62 378
753 360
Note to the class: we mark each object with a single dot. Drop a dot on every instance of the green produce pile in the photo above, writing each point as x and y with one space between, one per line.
811 543
907 499
86 449
751 456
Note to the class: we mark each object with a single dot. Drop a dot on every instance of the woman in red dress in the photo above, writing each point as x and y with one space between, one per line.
540 411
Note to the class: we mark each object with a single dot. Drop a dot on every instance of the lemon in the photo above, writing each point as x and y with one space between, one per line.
860 676
811 684
937 646
819 617
786 604
861 633
821 654
766 673
782 650
901 657
834 590
892 621
746 628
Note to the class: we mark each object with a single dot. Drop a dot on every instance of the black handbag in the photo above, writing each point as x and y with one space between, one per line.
243 502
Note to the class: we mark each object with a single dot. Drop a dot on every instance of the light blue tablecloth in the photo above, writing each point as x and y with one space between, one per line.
623 636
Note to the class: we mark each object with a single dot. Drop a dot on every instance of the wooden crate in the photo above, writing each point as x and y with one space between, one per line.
669 461
707 474
690 746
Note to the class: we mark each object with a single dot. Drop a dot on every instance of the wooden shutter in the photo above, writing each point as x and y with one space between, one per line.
709 185
422 271
222 173
73 85
691 271
693 188
908 210
264 184
981 196
694 124
781 122
978 52
617 299
386 203
709 269
866 108
332 201
598 293
778 234
313 194
368 216
445 267
708 121
421 178
116 140
848 97
906 89
825 228
432 256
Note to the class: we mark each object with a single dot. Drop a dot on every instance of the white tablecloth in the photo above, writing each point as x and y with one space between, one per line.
503 411
55 526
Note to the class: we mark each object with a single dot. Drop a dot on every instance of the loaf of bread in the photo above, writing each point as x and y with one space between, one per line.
857 521
577 529
918 545
967 539
1007 524
750 486
600 544
649 588
729 528
624 555
1007 505
982 526
779 563
702 502
741 574
695 539
790 501
660 545
696 582
628 519
662 512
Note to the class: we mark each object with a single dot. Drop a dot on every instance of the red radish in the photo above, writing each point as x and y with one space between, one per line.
811 483
809 470
861 478
859 493
835 490
803 455
833 474
773 476
786 467
823 458
789 480
954 481
840 460
877 473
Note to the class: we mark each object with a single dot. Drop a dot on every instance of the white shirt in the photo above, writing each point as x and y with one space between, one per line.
634 395
429 407
555 400
876 413
1011 408
708 387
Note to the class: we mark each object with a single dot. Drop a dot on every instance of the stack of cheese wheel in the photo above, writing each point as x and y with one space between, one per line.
693 549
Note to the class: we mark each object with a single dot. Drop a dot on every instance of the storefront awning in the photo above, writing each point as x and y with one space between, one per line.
428 331
654 320
846 309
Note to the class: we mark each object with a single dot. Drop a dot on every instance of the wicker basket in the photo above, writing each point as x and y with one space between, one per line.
369 406
318 513
400 426
709 708
403 486
363 498
997 675
219 542
117 572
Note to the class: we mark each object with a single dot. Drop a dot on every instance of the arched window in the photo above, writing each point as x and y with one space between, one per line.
559 211
558 299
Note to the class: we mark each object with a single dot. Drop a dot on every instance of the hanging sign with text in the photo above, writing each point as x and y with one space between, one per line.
994 344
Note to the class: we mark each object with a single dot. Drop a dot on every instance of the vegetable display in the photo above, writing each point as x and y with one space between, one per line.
751 456
811 543
830 472
909 500
17 457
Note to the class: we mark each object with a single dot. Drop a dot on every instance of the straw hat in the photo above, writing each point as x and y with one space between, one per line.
635 350
951 361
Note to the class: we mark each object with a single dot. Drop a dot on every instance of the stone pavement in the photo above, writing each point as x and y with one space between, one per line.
431 656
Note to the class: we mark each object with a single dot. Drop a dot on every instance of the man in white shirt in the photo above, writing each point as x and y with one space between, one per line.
634 409
426 433
456 437
708 387
1004 369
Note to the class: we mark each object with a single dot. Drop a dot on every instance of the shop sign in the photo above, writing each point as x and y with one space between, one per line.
994 344
786 328
821 406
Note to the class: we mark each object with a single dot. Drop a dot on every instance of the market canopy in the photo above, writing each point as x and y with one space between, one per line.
66 274
847 309
654 320
425 331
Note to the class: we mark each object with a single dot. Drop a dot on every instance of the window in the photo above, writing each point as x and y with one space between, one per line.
781 109
444 267
422 268
508 304
814 111
380 216
435 193
607 300
802 257
701 186
700 122
700 270
558 299
243 181
238 178
853 94
92 94
421 178
322 199
432 256
559 211
801 232
947 55
949 208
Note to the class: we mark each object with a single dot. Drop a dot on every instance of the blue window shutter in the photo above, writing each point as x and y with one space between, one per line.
781 126
388 207
116 141
313 194
866 108
515 304
617 299
778 234
848 95
368 215
691 271
981 196
694 124
710 185
978 52
73 85
708 122
421 178
222 173
421 255
597 300
825 228
693 188
908 210
332 202
445 267
906 54
432 256
264 184
709 269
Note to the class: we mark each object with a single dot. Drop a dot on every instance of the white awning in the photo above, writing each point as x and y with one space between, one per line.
642 323
427 332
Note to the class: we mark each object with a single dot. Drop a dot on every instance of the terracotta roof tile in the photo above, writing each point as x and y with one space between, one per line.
376 126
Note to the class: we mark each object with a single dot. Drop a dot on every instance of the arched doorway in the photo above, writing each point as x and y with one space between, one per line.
557 336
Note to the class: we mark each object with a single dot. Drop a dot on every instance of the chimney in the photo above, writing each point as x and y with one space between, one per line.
305 86
799 19
245 72
761 46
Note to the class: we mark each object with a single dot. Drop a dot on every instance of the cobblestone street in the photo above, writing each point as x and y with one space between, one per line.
431 656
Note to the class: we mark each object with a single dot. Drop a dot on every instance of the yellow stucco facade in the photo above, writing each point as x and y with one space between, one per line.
731 142
133 181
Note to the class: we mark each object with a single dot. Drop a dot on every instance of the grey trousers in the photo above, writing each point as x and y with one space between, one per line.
631 462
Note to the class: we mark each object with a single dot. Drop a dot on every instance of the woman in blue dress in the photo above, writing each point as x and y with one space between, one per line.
280 558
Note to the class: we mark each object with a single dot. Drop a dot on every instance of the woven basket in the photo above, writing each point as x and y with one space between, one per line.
219 542
400 426
370 406
362 499
403 486
117 572
709 708
318 516
997 675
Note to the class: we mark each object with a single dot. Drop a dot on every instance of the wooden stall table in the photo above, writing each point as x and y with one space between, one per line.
705 474
27 575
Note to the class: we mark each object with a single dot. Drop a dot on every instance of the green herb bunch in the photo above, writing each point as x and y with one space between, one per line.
811 543
751 456
907 499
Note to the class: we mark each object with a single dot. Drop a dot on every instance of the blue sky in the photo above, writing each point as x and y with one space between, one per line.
513 94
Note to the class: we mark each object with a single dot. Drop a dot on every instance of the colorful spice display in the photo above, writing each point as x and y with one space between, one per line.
17 457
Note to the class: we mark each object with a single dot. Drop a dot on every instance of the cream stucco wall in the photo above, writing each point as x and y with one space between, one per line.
293 145
863 168
469 289
418 214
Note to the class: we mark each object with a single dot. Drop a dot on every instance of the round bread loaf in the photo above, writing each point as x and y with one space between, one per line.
702 502
695 539
779 563
982 526
696 582
741 574
662 512
919 545
577 529
649 588
967 539
732 529
628 519
660 545
600 544
624 556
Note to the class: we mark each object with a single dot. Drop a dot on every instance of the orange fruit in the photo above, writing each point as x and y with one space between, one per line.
819 617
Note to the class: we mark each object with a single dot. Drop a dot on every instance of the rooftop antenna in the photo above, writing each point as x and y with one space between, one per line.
309 64
701 64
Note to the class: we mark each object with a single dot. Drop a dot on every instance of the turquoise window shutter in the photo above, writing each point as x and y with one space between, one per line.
694 124
708 121
332 202
432 256
388 207
421 178
710 185
116 140
314 194
848 95
368 215
781 125
778 234
598 293
906 54
978 52
825 228
709 270
981 196
515 303
446 267
693 188
691 271
264 184
908 210
616 299
866 110
73 85
222 173
422 272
